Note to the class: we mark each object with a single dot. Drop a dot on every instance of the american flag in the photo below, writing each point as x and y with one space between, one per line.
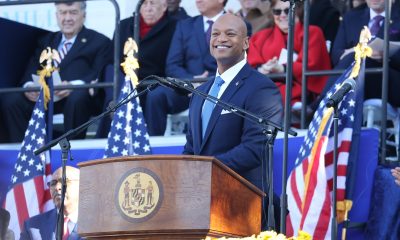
28 194
310 184
128 134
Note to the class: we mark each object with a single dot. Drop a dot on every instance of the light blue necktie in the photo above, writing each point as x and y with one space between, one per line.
208 105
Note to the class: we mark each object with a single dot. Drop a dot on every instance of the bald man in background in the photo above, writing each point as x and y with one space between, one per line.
43 226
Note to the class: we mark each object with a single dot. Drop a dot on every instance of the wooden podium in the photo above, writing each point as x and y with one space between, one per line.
165 197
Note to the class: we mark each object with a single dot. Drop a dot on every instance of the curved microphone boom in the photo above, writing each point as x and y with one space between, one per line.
176 84
348 85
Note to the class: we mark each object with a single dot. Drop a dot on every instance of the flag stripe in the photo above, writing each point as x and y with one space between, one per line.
28 195
19 198
309 210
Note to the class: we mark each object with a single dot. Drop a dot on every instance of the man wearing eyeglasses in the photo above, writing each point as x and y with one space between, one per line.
43 226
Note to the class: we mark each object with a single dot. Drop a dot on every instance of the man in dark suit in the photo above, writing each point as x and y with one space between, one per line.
43 226
156 30
236 141
84 53
188 57
348 36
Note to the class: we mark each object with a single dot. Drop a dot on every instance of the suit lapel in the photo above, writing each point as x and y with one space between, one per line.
228 94
80 42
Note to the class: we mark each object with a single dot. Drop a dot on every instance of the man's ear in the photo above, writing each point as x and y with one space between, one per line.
246 43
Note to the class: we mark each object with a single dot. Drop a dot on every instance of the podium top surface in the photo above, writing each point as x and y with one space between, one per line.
164 157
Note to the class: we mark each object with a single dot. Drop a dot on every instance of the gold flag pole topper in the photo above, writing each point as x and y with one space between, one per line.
47 55
362 50
131 63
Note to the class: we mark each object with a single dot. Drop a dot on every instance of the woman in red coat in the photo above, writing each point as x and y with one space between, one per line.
266 46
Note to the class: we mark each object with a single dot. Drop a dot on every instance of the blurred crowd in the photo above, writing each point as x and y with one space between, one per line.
173 44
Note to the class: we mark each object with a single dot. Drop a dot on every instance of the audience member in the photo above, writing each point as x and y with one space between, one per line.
324 15
348 37
234 140
175 11
188 56
257 13
84 53
156 31
5 232
43 226
396 175
267 52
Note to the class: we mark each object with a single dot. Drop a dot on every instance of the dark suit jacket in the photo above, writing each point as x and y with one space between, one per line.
348 37
46 224
153 48
349 31
237 142
84 61
189 54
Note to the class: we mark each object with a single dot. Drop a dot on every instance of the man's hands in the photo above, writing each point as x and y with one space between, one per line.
33 95
63 93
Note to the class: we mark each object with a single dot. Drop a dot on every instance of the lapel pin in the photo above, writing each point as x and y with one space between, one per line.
237 84
84 40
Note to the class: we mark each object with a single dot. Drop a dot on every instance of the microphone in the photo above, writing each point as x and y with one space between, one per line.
348 84
176 84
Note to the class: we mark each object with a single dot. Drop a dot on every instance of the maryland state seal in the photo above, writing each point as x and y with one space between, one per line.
139 195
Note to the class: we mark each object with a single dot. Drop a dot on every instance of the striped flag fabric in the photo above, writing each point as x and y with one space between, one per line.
28 194
310 183
128 134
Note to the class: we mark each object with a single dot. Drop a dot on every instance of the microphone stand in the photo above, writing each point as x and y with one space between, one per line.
264 122
65 146
270 146
287 119
335 163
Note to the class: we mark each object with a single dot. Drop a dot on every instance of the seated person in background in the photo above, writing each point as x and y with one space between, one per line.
266 48
84 53
43 226
324 15
175 11
5 233
234 140
156 31
257 13
348 37
189 56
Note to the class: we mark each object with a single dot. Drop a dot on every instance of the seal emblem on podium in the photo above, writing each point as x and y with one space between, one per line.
138 195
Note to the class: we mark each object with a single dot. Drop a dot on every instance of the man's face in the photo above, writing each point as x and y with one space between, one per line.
377 5
249 4
153 10
72 194
70 18
210 8
173 5
229 40
280 12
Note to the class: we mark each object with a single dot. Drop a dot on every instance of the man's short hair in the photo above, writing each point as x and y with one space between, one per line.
83 4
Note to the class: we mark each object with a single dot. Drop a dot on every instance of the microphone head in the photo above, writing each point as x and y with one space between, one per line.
352 83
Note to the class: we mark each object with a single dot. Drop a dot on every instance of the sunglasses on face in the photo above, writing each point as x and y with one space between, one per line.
277 11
